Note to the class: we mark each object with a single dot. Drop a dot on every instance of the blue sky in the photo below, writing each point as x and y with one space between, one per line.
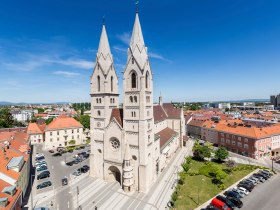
200 50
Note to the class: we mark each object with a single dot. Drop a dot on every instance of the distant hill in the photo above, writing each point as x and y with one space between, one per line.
23 103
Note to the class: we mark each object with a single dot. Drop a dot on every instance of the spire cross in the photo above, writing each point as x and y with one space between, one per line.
103 20
136 4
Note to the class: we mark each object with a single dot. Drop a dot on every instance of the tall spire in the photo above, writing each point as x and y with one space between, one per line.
137 36
104 46
104 56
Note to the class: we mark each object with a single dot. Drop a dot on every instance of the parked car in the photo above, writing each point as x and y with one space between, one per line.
219 204
253 181
77 148
39 155
262 179
83 170
86 167
239 192
237 202
268 171
245 191
51 151
76 173
82 147
43 168
210 207
43 175
44 184
249 183
42 165
64 181
39 158
255 178
232 194
70 163
41 208
57 154
265 176
226 201
246 186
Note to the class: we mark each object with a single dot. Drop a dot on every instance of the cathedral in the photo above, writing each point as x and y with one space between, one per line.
132 143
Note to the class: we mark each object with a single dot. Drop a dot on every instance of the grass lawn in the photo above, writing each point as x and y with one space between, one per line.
198 189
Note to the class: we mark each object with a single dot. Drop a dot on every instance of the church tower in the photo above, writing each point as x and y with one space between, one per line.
104 97
138 109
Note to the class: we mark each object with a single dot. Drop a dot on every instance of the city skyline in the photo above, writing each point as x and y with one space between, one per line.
47 50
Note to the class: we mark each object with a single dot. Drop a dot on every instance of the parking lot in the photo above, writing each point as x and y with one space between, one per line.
264 196
58 170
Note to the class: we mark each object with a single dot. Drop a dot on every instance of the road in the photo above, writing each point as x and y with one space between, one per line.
264 196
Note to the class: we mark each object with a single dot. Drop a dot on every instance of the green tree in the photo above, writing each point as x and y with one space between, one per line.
221 154
84 120
49 120
6 118
72 142
40 110
200 152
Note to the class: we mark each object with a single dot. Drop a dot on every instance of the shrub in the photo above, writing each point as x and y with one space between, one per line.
181 181
221 154
230 163
174 196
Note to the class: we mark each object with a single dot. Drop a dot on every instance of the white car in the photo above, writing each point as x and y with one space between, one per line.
246 192
256 179
40 163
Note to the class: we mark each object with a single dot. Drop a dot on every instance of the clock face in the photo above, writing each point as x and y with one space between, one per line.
98 124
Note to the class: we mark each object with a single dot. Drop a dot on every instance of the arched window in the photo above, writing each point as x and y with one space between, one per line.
100 100
133 80
135 99
98 83
132 60
112 86
131 99
98 112
147 79
97 100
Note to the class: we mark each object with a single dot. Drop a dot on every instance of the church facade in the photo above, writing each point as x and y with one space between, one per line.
131 144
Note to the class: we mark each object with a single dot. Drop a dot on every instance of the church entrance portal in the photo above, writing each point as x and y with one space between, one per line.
114 174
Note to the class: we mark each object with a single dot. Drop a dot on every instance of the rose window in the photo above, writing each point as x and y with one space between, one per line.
115 143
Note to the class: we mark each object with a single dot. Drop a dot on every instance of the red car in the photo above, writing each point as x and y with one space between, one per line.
219 204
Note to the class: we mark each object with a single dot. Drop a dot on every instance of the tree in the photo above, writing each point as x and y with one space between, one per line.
40 110
84 120
49 120
221 154
200 152
72 142
6 119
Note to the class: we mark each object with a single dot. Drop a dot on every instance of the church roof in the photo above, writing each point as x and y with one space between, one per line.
159 114
118 115
166 135
172 112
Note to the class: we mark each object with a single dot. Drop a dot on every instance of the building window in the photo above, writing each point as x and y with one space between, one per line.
147 79
222 140
233 142
50 133
98 113
78 137
133 80
50 139
131 99
246 146
97 100
246 140
72 131
65 131
115 144
72 137
227 141
239 138
57 139
98 83
112 85
132 60
239 144
78 130
148 99
222 134
135 99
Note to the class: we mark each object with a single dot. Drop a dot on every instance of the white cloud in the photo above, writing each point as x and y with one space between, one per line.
120 49
66 73
78 63
124 37
158 56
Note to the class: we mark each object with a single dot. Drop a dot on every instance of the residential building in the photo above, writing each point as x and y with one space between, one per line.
10 196
134 143
220 105
36 133
275 100
61 131
23 115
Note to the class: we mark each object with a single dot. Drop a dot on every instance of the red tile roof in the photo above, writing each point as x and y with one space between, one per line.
159 113
11 199
63 122
34 128
166 135
118 115
172 112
